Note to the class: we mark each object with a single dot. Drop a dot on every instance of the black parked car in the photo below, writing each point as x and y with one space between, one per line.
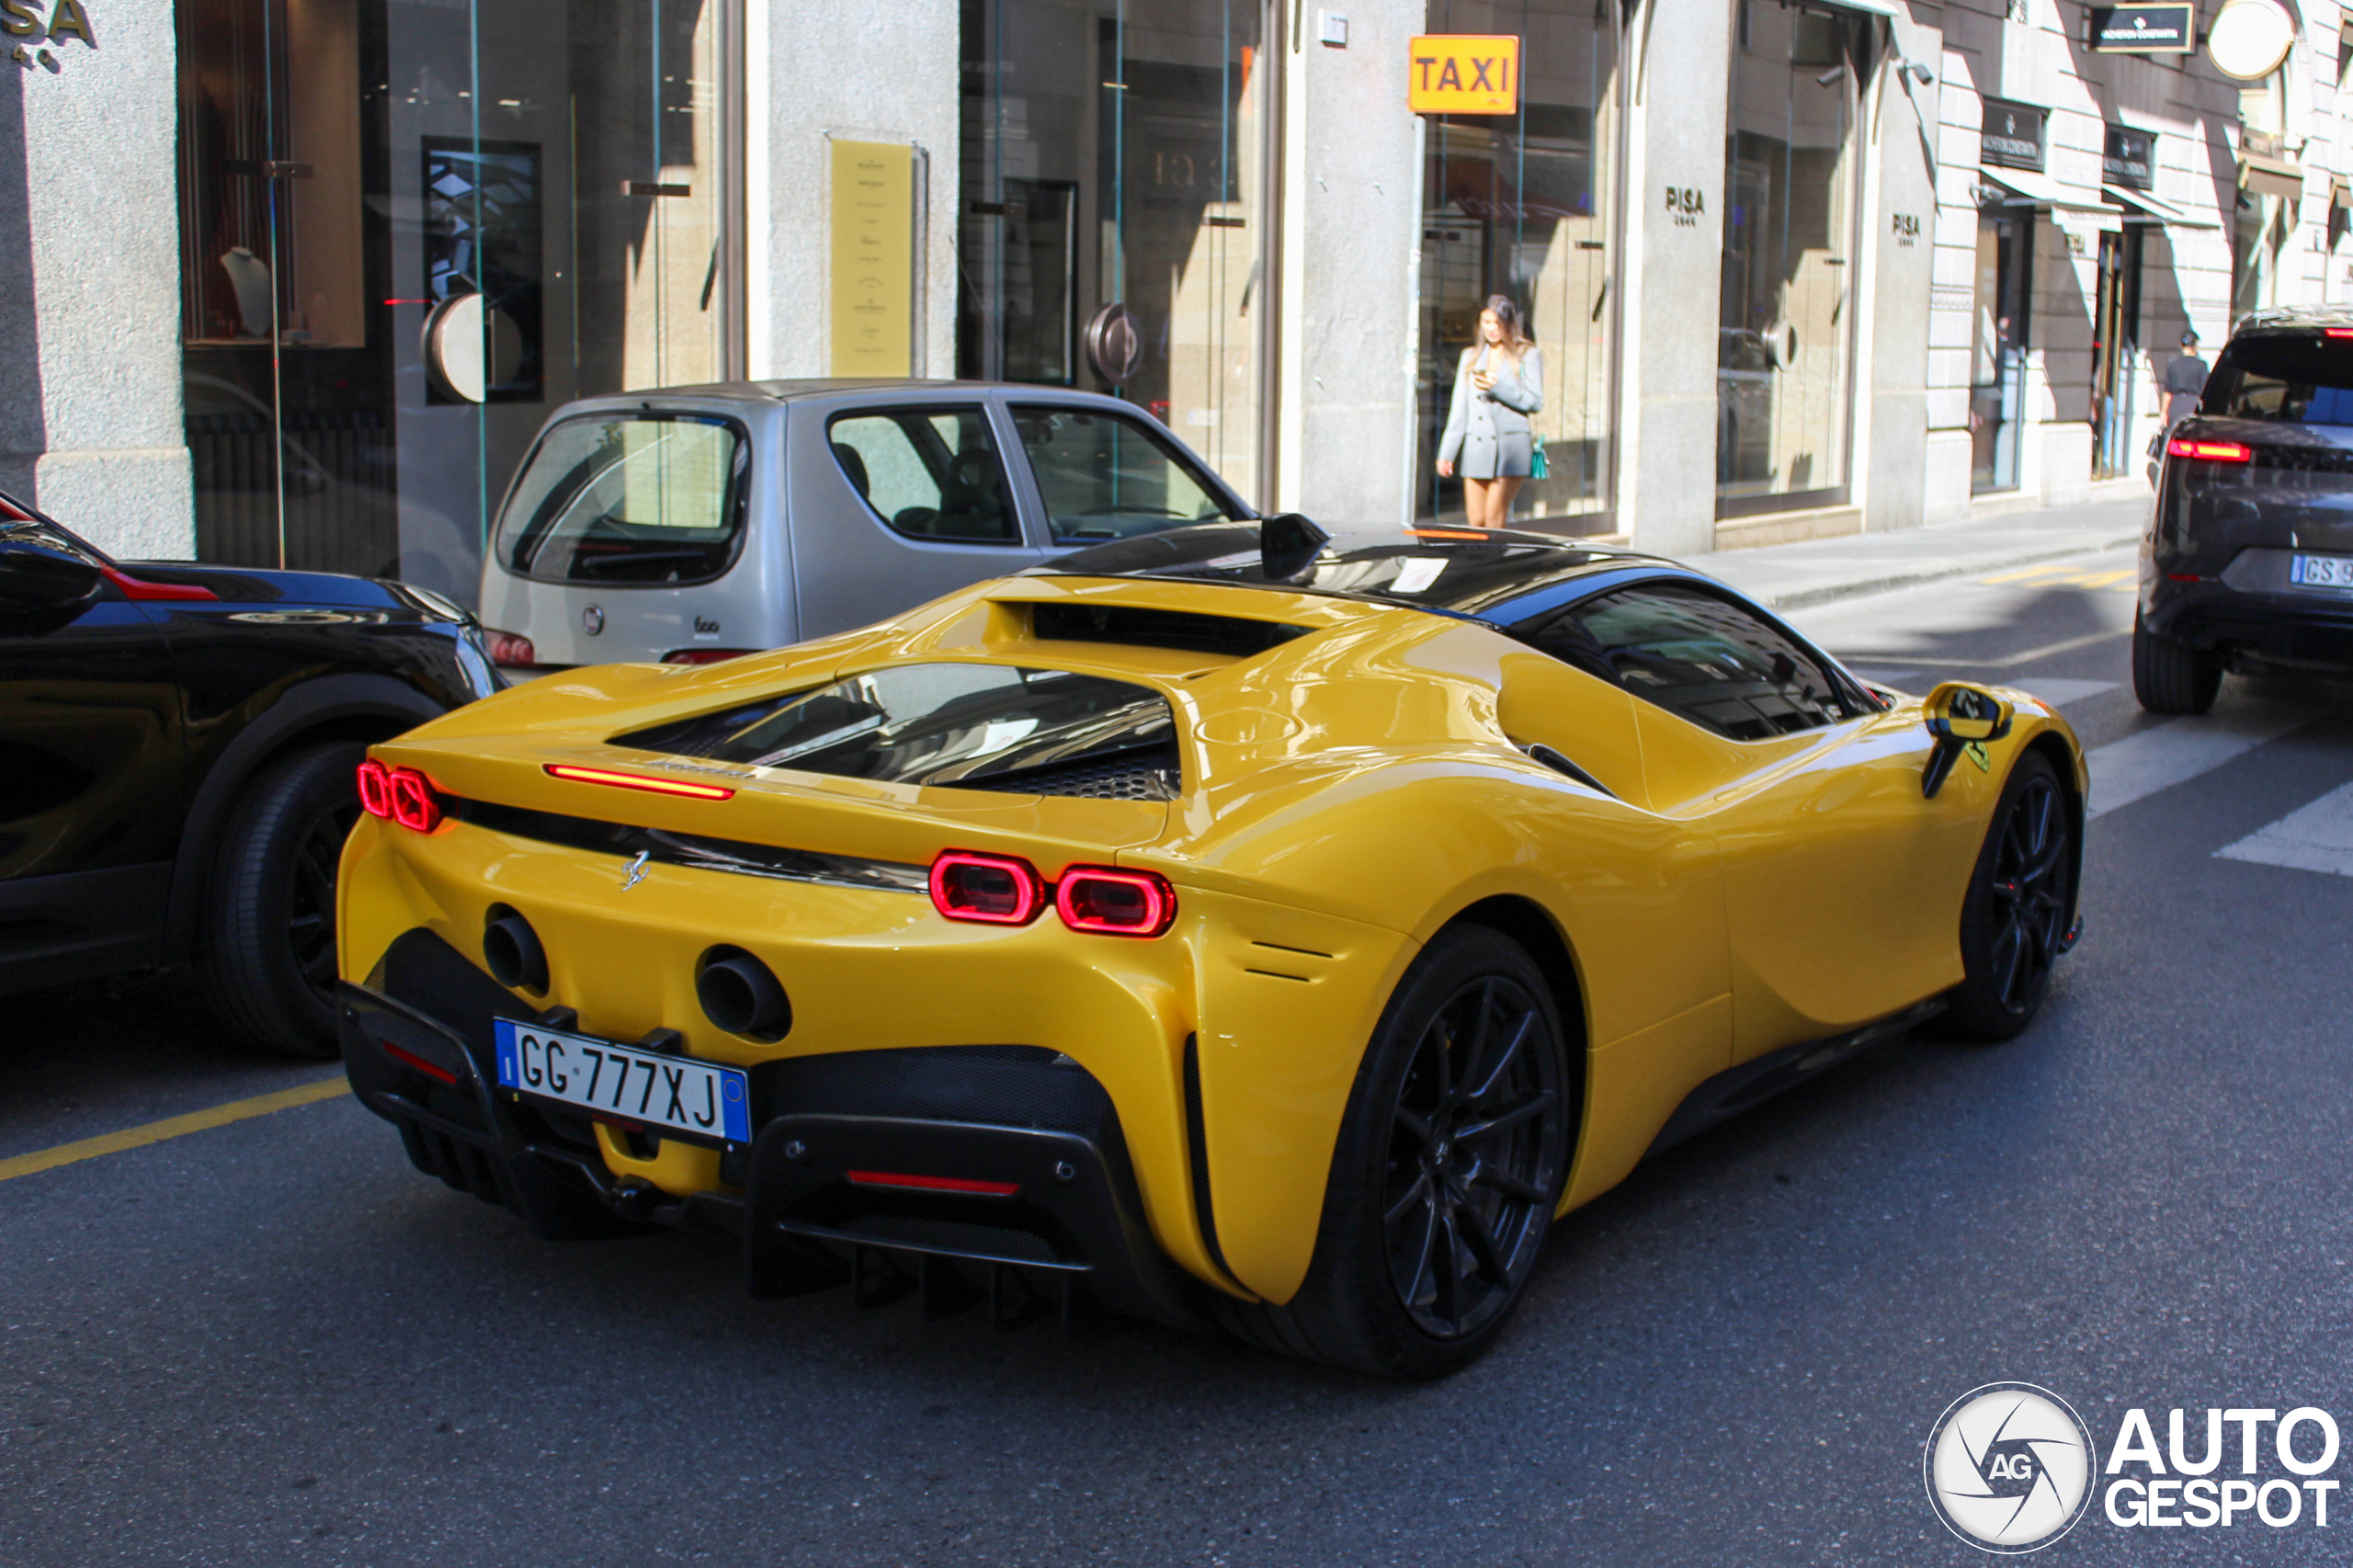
178 755
2248 562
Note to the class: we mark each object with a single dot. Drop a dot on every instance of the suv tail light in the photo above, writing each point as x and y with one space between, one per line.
510 648
2209 451
1113 903
990 889
399 794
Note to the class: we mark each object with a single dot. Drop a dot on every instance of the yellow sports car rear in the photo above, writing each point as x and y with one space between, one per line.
1234 925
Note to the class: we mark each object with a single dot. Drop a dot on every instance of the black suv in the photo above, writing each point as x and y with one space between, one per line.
2248 562
179 747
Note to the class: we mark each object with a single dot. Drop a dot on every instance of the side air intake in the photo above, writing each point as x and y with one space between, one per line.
1184 630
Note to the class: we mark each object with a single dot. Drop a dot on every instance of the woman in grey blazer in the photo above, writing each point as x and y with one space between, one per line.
1497 385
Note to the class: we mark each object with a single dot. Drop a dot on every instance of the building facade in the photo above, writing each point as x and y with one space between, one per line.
297 280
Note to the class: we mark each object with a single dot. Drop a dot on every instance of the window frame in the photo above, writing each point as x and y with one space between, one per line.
1007 488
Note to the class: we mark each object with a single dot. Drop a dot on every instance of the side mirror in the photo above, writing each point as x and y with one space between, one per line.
43 589
1959 716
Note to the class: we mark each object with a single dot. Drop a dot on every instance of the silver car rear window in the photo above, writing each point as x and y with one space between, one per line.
621 499
965 726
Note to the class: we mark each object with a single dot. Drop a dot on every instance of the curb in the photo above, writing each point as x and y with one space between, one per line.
1828 593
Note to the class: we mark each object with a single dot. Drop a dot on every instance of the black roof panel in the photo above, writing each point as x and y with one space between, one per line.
1452 571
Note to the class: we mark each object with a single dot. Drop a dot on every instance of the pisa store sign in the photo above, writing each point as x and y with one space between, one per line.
35 36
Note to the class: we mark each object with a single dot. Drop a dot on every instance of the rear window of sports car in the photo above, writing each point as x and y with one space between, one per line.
961 726
622 499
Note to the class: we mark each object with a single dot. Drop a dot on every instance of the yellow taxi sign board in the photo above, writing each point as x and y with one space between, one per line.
1464 74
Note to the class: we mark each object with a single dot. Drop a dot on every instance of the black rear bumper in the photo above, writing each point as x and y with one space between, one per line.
419 1044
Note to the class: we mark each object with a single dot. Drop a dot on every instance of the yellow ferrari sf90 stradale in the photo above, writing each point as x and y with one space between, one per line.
1231 923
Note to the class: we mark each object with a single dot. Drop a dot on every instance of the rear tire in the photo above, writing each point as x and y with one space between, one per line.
1447 1166
2022 894
266 950
2170 677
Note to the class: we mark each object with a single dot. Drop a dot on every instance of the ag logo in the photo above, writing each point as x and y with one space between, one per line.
2009 1468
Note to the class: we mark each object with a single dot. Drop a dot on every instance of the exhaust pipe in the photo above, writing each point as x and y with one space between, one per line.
511 950
741 995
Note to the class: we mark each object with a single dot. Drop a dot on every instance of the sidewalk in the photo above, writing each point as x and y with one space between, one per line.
1816 571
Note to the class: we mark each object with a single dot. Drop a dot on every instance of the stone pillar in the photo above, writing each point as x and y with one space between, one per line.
90 418
1351 255
1898 253
1674 252
817 70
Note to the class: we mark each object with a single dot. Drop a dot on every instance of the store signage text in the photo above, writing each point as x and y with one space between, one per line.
1464 74
2012 135
2144 29
25 35
1907 230
2128 160
1686 203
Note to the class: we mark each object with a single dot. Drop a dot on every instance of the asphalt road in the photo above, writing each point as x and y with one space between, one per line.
273 1342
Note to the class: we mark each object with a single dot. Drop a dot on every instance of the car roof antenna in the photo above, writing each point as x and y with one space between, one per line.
1288 544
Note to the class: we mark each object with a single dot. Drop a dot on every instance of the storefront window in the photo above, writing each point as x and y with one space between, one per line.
1114 155
1785 336
410 228
1520 206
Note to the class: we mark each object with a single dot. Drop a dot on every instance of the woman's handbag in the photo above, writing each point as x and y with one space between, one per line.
1537 467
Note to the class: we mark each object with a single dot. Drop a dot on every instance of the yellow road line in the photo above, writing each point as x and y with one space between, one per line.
172 1127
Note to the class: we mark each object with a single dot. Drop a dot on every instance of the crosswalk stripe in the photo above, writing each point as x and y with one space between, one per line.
2158 758
2318 838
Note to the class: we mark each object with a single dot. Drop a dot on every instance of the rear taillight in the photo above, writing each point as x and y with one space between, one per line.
2209 451
1004 890
510 648
704 655
399 794
991 890
1113 903
2340 332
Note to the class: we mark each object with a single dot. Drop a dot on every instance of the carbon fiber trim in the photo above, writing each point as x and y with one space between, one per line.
695 851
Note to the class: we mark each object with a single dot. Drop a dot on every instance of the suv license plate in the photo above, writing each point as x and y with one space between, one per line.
669 1094
2321 571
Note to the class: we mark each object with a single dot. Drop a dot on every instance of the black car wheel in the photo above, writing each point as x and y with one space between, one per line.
1446 1170
2170 677
265 951
2013 919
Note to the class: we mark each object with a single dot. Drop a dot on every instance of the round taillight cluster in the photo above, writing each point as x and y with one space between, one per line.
399 794
1004 889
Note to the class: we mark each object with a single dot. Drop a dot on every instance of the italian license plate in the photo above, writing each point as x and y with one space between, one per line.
2321 571
667 1094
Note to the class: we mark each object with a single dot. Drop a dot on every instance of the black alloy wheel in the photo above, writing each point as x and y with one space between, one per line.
1449 1164
265 952
2021 898
1470 1179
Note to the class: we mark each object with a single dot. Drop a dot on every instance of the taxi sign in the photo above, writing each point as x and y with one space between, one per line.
1464 74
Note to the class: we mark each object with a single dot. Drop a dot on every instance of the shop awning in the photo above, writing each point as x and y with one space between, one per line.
2267 175
2138 204
1867 7
2340 193
2042 191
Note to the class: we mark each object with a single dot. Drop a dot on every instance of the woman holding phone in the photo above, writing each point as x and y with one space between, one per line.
1497 385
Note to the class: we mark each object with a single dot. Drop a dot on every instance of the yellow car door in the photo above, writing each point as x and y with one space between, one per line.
1842 882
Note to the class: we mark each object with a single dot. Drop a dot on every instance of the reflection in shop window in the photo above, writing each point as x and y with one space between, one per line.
1784 333
1113 153
1518 205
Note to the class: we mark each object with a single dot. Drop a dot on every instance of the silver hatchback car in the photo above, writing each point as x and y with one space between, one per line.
693 524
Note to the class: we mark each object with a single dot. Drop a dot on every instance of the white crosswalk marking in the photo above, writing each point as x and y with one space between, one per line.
2318 837
2059 692
2139 765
